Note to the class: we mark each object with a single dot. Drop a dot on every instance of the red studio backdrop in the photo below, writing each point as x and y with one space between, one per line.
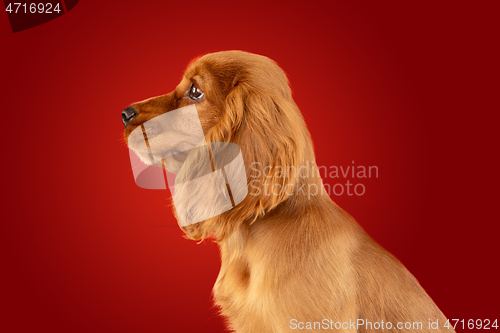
411 88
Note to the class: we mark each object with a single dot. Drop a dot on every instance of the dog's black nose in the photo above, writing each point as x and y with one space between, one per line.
128 114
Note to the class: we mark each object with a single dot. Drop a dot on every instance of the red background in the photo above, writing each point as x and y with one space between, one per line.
411 88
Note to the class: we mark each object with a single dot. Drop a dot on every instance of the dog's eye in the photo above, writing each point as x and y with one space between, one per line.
195 93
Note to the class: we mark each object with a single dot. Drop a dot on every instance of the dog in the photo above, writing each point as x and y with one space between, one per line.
289 261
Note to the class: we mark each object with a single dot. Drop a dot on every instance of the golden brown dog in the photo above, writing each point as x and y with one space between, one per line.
290 261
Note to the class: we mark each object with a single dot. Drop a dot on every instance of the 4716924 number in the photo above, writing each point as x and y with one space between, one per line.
27 8
471 324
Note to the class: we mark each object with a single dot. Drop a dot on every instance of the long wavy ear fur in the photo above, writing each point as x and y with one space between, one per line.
261 117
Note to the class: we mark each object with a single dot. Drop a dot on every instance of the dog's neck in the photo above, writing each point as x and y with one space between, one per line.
309 194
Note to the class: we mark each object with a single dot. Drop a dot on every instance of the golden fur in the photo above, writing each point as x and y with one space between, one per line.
285 254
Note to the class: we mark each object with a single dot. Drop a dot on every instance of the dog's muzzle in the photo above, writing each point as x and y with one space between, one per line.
204 179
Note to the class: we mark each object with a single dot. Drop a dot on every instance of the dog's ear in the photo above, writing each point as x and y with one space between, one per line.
276 146
272 135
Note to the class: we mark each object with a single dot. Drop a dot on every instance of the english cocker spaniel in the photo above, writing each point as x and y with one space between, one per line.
291 261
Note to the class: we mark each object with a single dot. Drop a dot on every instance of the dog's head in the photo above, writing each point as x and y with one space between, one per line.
245 99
